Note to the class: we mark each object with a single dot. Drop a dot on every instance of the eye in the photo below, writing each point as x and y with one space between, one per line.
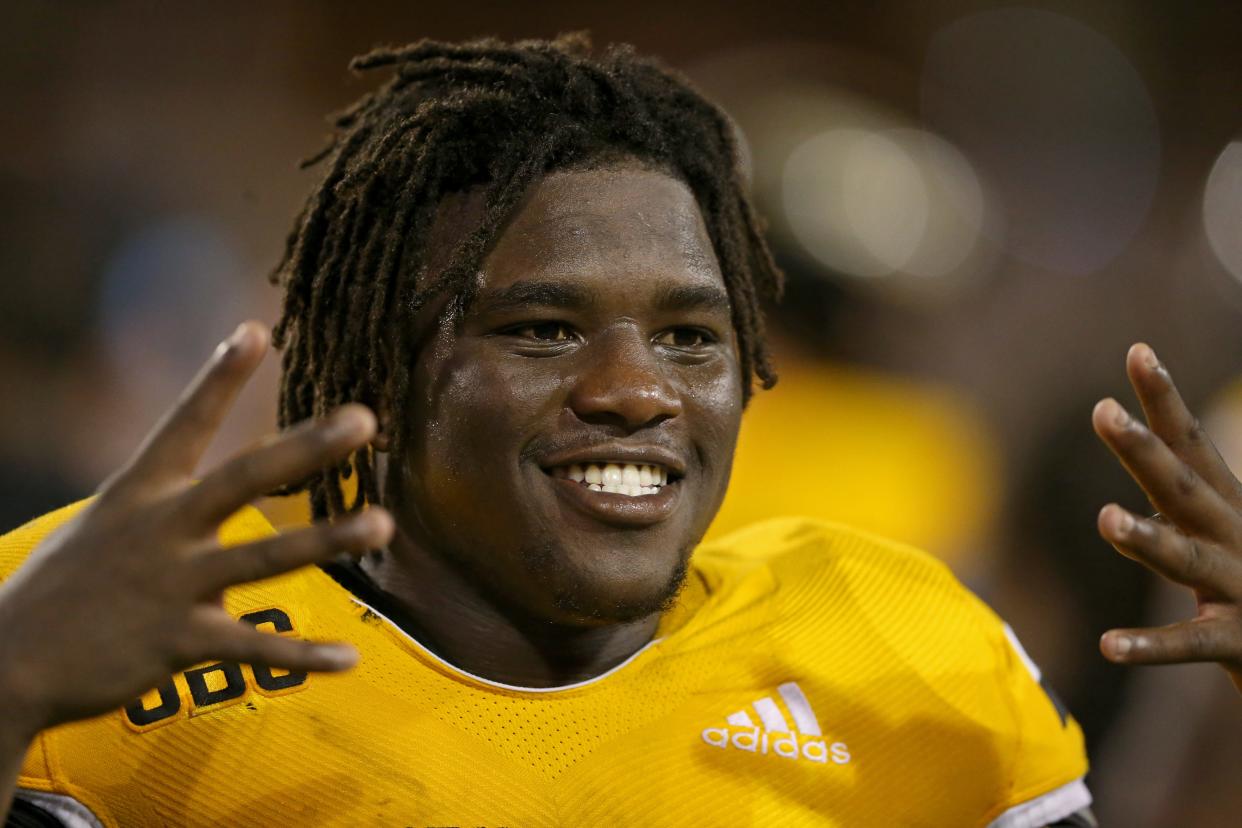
685 338
543 331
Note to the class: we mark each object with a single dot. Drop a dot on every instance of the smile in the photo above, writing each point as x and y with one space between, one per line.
629 479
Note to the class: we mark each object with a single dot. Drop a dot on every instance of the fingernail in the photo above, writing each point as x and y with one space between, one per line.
1122 644
338 656
369 524
1121 417
1126 524
233 340
348 423
381 521
355 528
238 335
1151 360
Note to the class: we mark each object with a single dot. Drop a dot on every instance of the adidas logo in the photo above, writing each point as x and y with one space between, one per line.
772 737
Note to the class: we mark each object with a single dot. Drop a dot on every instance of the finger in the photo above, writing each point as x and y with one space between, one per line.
225 639
176 444
1171 421
1168 552
289 458
1210 639
215 571
1173 487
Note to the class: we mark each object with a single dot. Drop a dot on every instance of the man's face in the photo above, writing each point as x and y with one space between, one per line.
570 437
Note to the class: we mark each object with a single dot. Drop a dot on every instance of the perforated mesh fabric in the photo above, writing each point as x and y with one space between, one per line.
812 675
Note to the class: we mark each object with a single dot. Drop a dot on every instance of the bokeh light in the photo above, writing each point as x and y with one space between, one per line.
1059 122
856 201
1222 208
877 202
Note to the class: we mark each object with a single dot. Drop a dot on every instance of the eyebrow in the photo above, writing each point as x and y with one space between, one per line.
570 296
693 297
525 294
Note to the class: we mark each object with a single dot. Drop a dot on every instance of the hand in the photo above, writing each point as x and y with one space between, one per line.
128 592
1195 540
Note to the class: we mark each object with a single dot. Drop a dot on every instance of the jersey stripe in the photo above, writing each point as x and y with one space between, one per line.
740 719
800 708
771 716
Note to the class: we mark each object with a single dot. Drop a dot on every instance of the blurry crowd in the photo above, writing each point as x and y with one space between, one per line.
979 207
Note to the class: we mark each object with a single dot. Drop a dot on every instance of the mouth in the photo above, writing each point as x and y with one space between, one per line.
617 492
617 477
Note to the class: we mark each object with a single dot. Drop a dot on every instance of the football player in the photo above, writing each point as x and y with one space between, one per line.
521 323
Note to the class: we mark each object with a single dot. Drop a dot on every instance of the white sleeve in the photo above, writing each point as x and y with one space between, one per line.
1057 804
68 811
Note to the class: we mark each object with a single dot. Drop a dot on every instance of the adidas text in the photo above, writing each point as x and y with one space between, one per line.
785 745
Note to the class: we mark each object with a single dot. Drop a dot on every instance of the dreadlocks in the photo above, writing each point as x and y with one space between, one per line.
495 116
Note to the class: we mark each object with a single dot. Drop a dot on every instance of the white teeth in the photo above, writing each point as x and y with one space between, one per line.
631 479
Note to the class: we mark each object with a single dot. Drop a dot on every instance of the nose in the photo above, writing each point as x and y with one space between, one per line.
623 383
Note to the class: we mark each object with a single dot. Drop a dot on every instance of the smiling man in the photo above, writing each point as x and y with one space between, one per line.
540 270
571 435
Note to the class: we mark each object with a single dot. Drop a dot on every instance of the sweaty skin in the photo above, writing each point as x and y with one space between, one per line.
601 330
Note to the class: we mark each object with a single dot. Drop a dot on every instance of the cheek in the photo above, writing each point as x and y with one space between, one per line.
479 412
715 403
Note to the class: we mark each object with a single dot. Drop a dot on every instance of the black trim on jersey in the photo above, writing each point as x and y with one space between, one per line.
1079 819
23 814
351 577
1062 710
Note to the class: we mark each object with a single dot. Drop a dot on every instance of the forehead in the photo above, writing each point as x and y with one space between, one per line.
612 229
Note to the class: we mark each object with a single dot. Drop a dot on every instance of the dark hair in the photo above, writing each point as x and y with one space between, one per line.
494 116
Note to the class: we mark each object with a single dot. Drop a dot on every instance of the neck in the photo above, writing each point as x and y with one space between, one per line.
464 626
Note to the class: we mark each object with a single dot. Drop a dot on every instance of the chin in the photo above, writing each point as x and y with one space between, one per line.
599 595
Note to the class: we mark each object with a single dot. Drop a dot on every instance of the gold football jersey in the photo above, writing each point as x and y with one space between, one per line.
810 675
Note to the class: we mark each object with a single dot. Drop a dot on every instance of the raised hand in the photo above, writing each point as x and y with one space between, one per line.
1195 540
127 593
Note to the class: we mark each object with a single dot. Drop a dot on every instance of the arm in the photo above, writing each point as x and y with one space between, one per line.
1196 537
149 543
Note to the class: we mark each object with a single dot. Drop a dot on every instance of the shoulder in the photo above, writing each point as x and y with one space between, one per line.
821 558
897 634
15 547
824 582
819 585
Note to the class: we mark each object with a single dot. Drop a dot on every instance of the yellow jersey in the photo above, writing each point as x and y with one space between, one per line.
809 675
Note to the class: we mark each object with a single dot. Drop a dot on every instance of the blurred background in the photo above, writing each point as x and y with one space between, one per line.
979 207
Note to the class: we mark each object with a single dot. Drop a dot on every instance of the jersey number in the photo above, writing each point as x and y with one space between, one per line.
229 682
